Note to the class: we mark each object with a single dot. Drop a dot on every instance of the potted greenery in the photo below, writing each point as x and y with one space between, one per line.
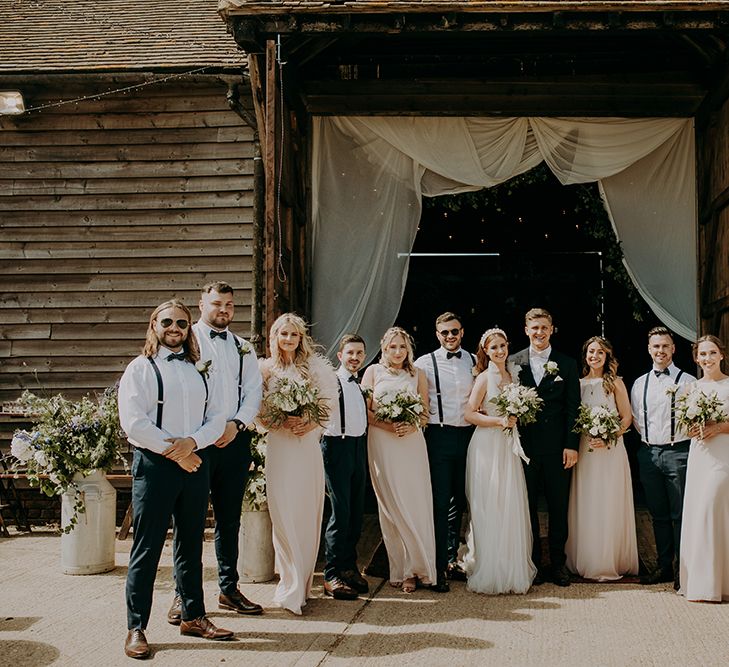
69 447
256 557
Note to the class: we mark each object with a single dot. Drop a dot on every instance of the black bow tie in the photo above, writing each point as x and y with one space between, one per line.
180 356
353 378
450 355
665 371
222 334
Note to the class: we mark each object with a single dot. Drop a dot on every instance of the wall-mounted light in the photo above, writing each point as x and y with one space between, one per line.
11 102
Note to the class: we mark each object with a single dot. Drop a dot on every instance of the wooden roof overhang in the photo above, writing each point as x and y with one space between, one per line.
514 57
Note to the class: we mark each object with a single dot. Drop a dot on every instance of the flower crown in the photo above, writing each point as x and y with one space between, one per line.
491 332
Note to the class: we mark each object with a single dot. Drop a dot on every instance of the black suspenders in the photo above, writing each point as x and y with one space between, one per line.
437 384
161 393
645 407
240 366
341 406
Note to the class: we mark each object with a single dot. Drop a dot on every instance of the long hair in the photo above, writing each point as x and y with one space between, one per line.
189 345
409 363
482 357
708 338
305 349
609 370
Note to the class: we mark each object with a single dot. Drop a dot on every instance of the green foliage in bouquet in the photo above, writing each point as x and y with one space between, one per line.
67 438
254 498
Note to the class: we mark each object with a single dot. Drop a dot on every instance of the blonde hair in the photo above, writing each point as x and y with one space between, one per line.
482 357
536 314
152 342
306 348
609 369
409 363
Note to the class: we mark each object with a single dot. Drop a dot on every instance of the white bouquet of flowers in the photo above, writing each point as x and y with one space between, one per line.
294 398
696 408
516 400
598 422
401 406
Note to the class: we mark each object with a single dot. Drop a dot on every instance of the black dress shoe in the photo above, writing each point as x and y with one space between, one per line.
441 584
561 576
239 603
658 576
456 572
136 645
203 627
539 578
339 590
676 582
174 615
355 580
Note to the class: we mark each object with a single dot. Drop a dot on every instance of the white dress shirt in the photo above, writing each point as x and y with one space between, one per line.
355 410
224 370
183 407
658 401
456 381
537 361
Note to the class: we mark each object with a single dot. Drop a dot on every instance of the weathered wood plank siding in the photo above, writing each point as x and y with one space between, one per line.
107 208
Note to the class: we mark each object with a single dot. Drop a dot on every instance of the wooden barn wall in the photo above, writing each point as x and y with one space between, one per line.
107 208
713 182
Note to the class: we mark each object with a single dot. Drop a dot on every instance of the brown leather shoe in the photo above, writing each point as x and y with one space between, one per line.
355 580
205 628
239 603
136 645
339 590
174 615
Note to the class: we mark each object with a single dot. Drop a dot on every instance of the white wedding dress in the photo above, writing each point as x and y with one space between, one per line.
499 541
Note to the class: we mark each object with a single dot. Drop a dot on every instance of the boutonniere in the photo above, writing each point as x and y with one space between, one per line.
203 367
551 368
671 391
245 348
367 392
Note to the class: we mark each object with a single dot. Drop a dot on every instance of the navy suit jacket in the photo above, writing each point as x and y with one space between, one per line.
552 432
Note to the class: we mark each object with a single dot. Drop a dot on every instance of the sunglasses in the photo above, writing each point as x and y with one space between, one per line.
166 323
451 332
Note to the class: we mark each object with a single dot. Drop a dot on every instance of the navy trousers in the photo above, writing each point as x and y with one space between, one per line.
548 473
663 475
447 450
229 469
345 471
161 491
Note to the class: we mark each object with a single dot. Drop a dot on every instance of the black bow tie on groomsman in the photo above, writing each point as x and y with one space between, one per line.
450 355
353 378
180 356
214 334
665 371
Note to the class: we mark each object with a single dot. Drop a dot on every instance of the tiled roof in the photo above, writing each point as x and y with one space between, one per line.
243 7
113 35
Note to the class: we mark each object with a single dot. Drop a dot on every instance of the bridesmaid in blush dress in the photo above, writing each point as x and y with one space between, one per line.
294 464
705 525
602 543
398 461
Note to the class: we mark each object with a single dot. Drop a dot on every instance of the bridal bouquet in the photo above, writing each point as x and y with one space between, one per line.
402 406
695 408
518 401
598 422
294 398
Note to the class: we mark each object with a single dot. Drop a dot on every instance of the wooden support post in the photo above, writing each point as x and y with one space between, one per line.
269 162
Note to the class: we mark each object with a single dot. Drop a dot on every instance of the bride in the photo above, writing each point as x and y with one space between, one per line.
499 543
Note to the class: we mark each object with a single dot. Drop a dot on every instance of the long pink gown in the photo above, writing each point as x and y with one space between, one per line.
705 524
602 543
401 479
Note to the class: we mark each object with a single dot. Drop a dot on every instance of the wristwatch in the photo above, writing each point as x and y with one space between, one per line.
239 424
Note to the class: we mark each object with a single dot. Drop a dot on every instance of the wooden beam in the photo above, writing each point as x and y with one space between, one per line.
269 163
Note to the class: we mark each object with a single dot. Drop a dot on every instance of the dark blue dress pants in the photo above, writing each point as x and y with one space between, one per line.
161 491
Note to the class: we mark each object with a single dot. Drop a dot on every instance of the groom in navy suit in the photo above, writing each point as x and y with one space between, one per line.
549 443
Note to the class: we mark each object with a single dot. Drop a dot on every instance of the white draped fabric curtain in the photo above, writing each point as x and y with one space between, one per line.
369 175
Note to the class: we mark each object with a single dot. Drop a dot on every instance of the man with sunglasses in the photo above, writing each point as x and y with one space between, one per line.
171 415
450 378
233 368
